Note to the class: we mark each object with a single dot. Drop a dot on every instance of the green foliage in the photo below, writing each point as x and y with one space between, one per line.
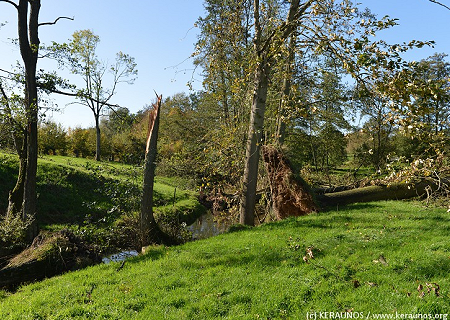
420 100
331 149
52 138
13 231
364 257
78 142
123 137
99 201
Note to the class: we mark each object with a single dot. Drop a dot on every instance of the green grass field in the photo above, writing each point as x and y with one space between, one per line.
383 257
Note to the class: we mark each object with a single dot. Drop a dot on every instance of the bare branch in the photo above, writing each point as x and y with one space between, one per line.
77 95
54 22
6 71
10 2
441 4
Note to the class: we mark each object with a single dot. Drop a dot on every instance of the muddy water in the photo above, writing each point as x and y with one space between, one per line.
206 227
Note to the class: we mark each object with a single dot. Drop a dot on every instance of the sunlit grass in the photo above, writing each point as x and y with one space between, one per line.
366 258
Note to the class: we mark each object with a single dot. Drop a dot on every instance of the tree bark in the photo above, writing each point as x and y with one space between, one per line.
29 46
254 140
15 199
98 138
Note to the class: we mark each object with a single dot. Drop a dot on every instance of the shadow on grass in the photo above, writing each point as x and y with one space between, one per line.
152 253
68 196
352 207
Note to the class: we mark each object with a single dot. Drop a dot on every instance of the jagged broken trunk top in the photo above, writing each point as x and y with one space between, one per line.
290 196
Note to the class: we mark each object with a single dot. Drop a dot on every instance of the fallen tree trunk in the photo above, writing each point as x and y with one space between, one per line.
396 191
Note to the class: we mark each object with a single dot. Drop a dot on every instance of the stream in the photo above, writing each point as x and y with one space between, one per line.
120 256
204 227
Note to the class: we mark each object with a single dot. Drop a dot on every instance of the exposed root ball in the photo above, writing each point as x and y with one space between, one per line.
290 196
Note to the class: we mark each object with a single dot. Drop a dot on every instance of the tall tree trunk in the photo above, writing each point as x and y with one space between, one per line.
254 140
98 138
264 56
29 46
254 135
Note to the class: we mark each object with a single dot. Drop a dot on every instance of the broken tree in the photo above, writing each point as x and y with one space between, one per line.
150 231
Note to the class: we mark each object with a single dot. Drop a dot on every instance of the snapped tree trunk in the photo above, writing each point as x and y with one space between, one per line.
150 231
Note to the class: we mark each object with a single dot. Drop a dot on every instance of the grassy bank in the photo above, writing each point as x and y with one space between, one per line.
97 200
382 257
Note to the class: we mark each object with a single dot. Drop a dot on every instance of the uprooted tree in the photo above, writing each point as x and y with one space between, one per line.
265 56
291 196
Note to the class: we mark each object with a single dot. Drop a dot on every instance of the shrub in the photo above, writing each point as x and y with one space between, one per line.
13 231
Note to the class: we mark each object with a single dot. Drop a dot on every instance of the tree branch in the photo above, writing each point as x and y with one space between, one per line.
10 2
54 22
76 95
441 4
288 26
6 71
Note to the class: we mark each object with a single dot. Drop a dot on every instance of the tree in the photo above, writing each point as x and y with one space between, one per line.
23 197
434 73
265 50
119 135
149 228
52 138
80 53
284 33
78 142
378 127
420 95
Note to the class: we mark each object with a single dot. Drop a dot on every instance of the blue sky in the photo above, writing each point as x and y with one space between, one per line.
160 35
